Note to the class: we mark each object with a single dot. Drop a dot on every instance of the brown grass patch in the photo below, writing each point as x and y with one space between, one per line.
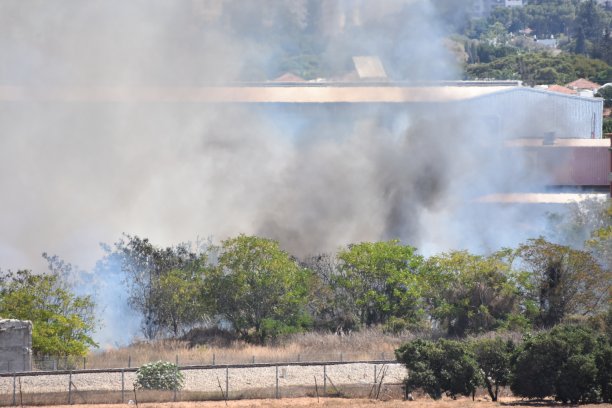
364 345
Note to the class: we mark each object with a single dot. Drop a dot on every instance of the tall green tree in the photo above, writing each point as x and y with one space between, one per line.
470 293
258 288
382 280
590 19
179 300
153 274
563 281
62 323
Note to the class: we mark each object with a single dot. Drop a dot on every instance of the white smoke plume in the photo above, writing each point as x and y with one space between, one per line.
76 173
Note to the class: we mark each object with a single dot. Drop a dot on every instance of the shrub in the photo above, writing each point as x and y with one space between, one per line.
603 360
159 375
560 363
607 124
441 366
494 359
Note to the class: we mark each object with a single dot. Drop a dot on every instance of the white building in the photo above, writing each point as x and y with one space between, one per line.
514 3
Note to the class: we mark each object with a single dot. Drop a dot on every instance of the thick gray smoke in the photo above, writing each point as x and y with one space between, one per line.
77 172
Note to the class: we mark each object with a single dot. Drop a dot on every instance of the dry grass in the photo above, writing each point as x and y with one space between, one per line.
363 345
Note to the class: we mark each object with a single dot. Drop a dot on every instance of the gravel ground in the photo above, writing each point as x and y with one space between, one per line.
208 380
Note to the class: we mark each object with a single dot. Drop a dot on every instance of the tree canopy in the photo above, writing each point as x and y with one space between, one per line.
62 323
258 288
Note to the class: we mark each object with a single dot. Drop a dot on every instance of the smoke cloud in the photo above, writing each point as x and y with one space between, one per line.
315 177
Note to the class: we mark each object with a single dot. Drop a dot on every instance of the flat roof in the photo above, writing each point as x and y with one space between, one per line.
250 94
541 198
557 142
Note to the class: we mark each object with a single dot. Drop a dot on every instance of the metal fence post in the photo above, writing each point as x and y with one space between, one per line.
276 382
84 362
70 388
324 380
227 382
14 389
129 361
122 385
213 359
374 373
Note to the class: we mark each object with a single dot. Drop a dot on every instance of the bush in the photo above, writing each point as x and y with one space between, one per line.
441 366
160 375
607 124
494 358
561 363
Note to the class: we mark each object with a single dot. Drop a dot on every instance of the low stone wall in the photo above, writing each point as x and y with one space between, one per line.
15 345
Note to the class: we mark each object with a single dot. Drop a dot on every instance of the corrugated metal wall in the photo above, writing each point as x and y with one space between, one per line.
574 166
527 112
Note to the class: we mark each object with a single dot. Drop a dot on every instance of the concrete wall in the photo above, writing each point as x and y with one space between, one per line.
15 345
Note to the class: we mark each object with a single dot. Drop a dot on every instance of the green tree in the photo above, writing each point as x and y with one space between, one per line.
180 304
258 288
535 68
563 281
470 293
606 94
382 280
580 42
494 357
62 323
590 19
600 242
329 304
151 274
442 366
603 361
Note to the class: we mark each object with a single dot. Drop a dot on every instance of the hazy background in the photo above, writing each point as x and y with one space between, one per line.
74 174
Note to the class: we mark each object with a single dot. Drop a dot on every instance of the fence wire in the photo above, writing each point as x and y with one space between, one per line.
373 379
50 363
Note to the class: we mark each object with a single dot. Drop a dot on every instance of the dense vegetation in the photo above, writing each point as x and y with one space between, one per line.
542 67
571 363
514 42
304 37
249 287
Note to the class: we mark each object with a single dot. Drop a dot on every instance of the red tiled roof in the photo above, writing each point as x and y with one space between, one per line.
561 89
583 84
289 77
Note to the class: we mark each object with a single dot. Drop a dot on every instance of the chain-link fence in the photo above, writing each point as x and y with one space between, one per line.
373 379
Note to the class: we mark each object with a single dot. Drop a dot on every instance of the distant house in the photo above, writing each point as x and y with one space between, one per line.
289 77
482 8
561 89
583 85
514 3
548 42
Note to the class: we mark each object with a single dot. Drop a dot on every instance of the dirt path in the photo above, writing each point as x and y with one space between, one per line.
336 402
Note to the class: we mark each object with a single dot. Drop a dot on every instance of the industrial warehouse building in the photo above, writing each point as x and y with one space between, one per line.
499 110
